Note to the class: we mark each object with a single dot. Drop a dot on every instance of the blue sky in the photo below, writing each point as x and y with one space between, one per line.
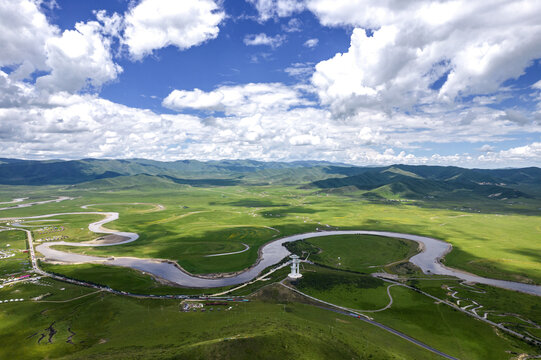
357 81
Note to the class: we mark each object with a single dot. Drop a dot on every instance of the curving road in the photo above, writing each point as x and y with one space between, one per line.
246 248
270 254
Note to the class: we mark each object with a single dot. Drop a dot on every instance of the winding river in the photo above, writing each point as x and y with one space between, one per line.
14 201
270 254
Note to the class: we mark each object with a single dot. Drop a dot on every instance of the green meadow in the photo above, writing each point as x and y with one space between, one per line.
203 221
106 326
185 223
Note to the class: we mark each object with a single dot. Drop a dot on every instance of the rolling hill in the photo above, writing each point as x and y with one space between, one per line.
388 182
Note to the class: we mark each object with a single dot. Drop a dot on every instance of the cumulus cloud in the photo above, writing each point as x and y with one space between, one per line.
304 139
311 43
515 116
300 70
79 58
264 39
518 156
486 148
24 31
247 99
154 24
414 44
268 9
392 67
293 25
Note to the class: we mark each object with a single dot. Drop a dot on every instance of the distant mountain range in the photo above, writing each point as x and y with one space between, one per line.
417 182
402 181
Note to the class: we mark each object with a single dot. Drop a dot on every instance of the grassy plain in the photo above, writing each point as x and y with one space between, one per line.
19 262
201 221
362 253
437 325
447 329
361 292
523 311
106 326
122 279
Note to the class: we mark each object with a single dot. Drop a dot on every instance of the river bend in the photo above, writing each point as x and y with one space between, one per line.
428 260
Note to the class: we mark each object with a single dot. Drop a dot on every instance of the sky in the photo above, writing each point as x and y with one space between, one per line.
363 82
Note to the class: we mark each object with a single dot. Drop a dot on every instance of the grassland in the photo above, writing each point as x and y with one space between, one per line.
361 253
521 311
354 291
19 262
436 324
199 221
122 279
113 327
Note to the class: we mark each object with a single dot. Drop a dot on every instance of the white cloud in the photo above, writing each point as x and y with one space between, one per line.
515 116
311 43
271 121
537 85
277 8
304 139
300 70
263 121
24 30
518 156
15 93
79 58
111 24
264 39
244 100
293 25
154 24
486 148
415 43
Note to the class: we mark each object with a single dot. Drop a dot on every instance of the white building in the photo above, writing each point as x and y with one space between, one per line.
295 273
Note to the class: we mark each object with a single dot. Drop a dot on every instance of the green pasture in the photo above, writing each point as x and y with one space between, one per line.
15 238
495 301
75 227
106 326
362 253
354 291
199 221
122 279
18 263
447 329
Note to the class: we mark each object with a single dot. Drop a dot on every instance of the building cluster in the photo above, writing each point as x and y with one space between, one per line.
194 306
53 238
49 229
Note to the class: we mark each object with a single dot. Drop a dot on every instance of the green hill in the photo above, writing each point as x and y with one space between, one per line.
390 182
418 182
